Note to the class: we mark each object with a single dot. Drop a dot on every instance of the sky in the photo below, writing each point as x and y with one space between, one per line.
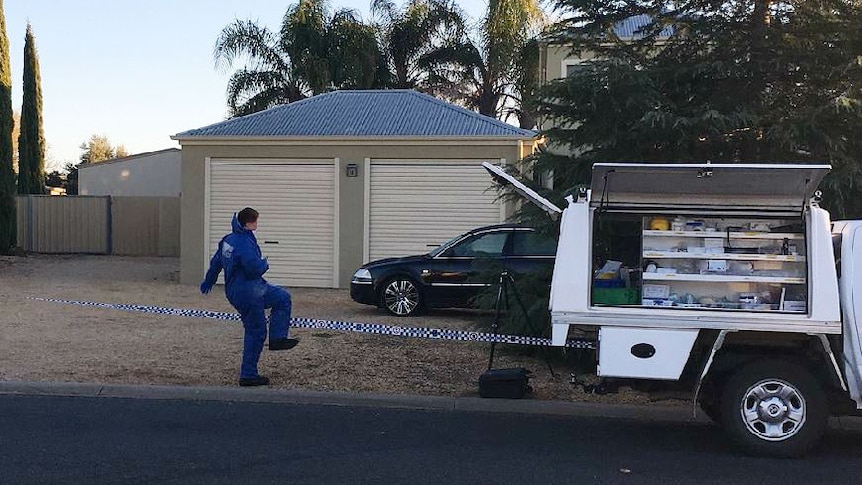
136 72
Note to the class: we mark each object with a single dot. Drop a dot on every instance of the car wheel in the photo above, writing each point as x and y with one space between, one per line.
401 297
773 408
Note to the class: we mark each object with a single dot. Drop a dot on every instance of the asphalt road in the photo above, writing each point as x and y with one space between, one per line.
56 439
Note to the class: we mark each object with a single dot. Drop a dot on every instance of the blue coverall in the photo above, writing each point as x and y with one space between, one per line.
239 255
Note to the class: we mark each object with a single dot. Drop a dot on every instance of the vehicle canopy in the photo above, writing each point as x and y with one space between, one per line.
501 177
681 187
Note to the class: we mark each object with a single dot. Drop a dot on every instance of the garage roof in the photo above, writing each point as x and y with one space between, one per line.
361 114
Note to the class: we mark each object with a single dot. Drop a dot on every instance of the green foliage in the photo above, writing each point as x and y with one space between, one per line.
313 52
55 179
489 70
353 52
16 132
6 119
99 148
526 83
533 290
71 170
424 45
786 87
7 174
31 141
411 32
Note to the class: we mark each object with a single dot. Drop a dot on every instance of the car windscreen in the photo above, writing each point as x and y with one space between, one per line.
434 252
488 244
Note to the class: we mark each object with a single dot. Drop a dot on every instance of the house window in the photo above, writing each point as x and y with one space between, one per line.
571 66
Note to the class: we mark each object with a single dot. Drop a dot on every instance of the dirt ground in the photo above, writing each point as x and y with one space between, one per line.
43 341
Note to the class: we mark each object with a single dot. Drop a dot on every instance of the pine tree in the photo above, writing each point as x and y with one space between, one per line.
7 174
31 141
724 81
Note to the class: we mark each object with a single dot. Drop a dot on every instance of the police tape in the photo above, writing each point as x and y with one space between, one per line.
314 323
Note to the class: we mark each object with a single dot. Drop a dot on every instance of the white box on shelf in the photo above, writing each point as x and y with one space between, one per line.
795 306
655 291
716 265
714 243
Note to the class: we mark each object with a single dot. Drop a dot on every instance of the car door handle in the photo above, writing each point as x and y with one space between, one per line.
270 242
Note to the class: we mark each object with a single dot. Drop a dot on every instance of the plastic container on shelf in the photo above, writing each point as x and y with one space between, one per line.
615 296
609 283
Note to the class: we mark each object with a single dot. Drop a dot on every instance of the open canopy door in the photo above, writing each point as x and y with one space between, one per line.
766 187
501 177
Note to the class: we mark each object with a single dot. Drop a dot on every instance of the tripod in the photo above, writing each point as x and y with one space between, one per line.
505 285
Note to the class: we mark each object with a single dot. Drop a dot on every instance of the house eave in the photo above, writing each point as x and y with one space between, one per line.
351 140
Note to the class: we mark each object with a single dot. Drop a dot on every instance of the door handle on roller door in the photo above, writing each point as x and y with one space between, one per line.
270 242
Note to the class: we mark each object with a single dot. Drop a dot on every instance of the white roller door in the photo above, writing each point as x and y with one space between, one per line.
414 204
298 221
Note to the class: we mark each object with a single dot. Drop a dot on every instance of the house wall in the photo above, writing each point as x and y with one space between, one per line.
351 189
152 175
555 57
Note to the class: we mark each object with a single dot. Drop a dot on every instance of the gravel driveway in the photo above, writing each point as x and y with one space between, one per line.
42 341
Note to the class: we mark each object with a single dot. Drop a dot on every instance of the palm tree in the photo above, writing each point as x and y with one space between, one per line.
355 58
492 71
311 53
416 29
268 81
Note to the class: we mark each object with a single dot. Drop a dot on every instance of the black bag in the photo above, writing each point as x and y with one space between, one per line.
511 383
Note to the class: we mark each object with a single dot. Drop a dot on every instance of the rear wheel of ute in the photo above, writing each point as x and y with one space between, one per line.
773 408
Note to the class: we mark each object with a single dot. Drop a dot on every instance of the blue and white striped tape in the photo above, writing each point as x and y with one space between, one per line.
374 328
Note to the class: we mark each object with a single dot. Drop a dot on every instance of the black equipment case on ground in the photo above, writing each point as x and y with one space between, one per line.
511 383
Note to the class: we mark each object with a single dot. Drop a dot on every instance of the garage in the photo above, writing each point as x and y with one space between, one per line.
343 178
416 204
298 226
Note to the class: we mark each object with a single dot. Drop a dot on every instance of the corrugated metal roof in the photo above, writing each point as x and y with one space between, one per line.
629 27
372 113
128 157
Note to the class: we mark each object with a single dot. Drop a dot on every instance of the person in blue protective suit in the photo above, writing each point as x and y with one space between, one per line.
238 254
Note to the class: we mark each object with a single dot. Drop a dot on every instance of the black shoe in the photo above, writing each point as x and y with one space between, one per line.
283 343
254 381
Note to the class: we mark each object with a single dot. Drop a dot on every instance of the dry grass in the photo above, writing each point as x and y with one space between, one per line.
42 341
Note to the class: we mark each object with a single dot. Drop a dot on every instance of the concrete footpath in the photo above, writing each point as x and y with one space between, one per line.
655 413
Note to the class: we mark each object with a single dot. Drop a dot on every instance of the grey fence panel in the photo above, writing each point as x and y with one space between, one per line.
134 226
169 226
75 224
22 226
145 226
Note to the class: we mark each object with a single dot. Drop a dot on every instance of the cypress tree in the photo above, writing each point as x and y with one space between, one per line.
31 141
7 174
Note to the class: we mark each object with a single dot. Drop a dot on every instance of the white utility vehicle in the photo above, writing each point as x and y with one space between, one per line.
727 280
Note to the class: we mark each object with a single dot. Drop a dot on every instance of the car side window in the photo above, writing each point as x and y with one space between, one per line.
490 244
527 243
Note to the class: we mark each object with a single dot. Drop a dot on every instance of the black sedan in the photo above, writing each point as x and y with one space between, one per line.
446 277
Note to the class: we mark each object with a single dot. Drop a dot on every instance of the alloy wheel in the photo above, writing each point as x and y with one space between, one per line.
401 297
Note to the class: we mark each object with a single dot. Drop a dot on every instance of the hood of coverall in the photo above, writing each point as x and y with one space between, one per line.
237 227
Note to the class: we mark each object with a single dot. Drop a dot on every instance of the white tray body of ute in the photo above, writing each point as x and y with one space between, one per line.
572 280
757 190
851 288
672 332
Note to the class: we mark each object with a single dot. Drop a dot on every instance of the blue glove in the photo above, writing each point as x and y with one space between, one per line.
206 288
